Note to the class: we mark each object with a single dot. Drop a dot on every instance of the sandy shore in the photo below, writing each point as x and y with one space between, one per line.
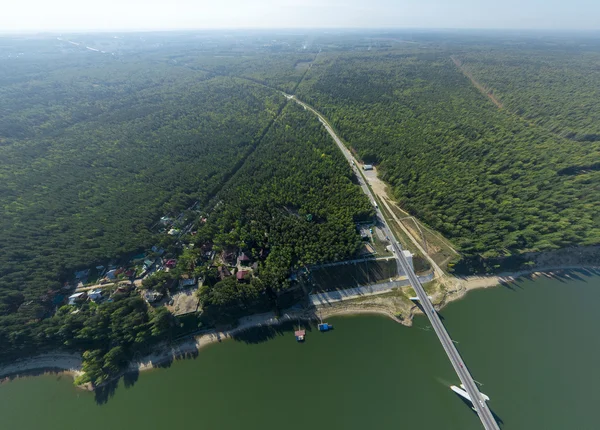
52 362
71 363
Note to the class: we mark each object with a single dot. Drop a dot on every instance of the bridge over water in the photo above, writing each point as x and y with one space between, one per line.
477 399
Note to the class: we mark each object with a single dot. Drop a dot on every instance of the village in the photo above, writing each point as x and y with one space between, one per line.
172 279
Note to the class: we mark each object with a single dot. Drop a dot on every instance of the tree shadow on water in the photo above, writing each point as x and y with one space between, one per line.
256 335
105 391
561 275
130 378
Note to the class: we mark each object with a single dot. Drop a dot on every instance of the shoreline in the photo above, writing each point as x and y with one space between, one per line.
71 363
56 363
487 281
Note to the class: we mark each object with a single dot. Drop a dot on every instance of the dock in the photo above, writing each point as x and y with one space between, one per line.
325 327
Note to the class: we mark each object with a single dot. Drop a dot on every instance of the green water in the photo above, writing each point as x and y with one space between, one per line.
535 347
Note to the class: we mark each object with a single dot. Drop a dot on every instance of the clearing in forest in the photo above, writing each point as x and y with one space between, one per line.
477 85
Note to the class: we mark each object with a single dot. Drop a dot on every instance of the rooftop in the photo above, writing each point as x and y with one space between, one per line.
240 275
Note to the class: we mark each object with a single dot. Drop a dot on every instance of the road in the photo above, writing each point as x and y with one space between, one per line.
439 273
485 414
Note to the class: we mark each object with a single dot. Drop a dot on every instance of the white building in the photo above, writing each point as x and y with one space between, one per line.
95 294
73 298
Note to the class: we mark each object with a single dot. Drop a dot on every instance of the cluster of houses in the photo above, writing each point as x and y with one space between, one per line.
95 295
238 262
229 263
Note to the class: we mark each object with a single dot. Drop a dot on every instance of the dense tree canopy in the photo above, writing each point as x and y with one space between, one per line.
491 181
101 137
85 176
557 88
94 149
294 199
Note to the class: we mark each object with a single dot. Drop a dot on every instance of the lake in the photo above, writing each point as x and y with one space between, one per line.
533 344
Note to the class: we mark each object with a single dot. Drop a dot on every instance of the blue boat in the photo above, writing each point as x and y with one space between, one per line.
325 327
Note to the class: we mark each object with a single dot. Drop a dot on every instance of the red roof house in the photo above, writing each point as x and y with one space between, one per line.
241 274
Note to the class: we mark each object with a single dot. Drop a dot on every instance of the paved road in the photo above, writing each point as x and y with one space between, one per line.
485 415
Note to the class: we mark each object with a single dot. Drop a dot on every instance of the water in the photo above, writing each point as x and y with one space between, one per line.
534 347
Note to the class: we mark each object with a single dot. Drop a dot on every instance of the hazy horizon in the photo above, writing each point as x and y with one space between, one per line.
161 15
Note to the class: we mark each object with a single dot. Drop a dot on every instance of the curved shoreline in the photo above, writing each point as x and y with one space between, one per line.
56 362
71 363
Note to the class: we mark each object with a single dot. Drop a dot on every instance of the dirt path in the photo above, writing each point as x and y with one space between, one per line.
477 85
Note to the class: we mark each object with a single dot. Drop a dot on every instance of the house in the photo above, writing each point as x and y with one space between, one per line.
100 270
229 257
171 263
152 296
77 297
173 232
368 167
223 272
112 274
243 259
207 251
95 295
82 274
158 250
148 264
184 283
241 275
123 288
165 220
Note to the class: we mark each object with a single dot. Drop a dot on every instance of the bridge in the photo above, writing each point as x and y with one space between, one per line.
479 404
477 399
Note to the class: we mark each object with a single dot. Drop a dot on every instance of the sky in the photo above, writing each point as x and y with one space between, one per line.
77 15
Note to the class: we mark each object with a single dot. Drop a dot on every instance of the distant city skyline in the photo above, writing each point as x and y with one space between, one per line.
71 15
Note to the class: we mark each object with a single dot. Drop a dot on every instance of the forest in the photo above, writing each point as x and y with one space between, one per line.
295 201
86 176
95 149
556 88
492 182
102 135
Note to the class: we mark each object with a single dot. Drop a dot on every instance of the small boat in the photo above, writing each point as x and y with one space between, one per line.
300 335
325 327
